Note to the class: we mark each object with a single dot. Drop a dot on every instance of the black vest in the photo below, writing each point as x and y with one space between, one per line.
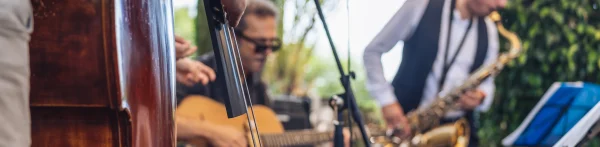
420 51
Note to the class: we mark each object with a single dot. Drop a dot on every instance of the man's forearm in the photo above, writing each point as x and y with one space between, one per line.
377 85
190 128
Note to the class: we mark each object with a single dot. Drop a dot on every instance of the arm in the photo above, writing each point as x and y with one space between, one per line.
188 129
400 27
217 135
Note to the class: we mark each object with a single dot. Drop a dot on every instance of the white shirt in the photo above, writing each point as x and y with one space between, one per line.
16 24
401 27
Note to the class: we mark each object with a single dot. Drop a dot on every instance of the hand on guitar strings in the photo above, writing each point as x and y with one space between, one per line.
215 134
190 72
227 137
471 99
183 48
395 118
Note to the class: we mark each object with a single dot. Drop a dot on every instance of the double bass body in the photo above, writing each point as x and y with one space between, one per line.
102 73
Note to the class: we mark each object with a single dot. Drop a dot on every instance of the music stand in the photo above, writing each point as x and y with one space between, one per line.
560 108
576 135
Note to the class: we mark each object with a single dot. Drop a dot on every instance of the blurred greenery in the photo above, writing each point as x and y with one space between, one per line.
561 44
202 33
297 70
193 27
185 25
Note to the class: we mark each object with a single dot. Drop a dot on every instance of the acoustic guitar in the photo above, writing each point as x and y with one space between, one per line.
271 130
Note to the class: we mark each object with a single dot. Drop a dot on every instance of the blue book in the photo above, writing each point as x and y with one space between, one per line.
557 112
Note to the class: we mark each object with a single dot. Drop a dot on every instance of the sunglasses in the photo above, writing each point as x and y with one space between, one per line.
274 44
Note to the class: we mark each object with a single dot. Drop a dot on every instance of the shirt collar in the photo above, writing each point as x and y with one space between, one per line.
457 16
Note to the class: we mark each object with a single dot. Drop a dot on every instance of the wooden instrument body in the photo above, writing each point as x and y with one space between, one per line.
205 109
102 73
201 108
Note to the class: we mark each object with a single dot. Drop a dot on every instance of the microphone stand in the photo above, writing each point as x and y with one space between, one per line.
345 100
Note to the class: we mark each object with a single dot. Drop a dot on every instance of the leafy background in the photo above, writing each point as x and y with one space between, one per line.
561 42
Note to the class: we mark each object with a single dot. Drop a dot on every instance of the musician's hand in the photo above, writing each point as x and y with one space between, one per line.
190 72
183 48
471 99
346 137
394 117
227 137
234 10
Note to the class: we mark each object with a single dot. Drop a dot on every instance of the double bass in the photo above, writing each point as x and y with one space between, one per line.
102 73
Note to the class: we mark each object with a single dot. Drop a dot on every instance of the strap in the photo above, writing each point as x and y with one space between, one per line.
462 41
482 45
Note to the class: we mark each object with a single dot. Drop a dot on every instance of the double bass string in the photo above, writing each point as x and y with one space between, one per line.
253 119
247 96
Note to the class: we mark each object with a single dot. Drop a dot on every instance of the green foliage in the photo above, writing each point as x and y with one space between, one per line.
593 142
287 72
561 43
296 70
203 39
184 25
329 84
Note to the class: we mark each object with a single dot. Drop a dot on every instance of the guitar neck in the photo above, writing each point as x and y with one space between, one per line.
293 138
303 137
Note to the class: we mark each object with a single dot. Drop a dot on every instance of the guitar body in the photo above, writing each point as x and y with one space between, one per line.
202 108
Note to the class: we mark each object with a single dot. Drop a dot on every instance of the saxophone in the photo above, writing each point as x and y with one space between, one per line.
424 122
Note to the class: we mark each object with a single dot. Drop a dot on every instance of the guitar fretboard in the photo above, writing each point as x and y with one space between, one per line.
292 138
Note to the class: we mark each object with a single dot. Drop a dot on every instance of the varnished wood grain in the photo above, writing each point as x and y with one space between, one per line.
72 127
145 46
101 73
67 53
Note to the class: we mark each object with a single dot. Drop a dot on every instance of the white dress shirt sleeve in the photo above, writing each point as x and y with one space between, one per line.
492 55
400 27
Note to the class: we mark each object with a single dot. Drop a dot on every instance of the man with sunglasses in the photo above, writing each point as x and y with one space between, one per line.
257 38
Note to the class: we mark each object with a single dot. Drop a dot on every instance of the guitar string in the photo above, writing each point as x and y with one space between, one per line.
248 115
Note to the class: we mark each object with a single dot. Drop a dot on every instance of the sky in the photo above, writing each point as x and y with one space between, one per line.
367 18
